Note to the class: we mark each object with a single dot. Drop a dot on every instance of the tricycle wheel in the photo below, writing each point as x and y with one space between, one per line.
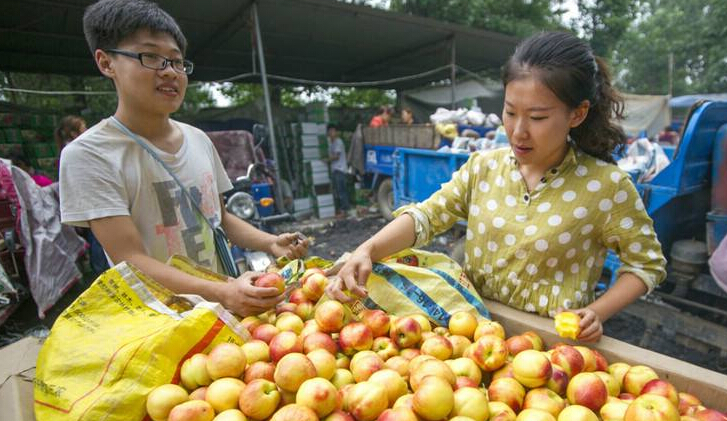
385 199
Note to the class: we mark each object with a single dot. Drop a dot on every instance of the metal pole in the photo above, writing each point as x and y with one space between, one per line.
454 72
671 73
268 108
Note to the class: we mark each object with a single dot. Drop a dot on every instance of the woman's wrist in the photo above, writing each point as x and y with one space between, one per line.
600 313
367 249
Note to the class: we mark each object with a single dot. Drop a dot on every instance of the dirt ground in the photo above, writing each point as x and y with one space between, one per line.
330 239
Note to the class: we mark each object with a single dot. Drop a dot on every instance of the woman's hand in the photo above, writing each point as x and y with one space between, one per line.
352 276
591 326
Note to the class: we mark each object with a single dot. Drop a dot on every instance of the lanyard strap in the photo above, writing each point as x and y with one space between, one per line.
143 144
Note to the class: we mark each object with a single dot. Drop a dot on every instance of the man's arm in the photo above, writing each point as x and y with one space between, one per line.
121 240
244 235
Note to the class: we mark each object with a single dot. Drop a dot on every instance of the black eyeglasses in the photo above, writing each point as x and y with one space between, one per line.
157 62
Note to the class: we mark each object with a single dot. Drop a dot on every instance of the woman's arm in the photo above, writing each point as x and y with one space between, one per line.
394 237
627 289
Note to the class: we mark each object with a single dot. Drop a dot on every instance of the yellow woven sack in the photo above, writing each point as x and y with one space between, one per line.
123 336
413 281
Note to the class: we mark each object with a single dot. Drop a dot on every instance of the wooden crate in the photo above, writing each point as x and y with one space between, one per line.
707 385
414 136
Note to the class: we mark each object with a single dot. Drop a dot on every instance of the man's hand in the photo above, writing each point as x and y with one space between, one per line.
290 245
245 299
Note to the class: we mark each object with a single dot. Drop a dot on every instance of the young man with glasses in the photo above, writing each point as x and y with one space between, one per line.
111 181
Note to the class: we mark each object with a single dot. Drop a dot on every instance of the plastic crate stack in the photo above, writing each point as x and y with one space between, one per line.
30 135
316 193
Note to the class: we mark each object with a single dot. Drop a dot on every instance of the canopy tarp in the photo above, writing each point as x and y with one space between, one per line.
322 40
488 94
464 90
648 113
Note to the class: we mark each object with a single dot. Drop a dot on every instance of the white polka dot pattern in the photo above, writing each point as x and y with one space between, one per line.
527 246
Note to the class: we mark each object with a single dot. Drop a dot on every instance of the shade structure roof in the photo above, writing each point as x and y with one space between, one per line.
320 40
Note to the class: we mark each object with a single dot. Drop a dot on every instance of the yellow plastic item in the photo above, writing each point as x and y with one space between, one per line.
125 335
567 324
448 130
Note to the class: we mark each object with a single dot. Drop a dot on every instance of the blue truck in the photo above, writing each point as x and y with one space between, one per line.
380 143
687 201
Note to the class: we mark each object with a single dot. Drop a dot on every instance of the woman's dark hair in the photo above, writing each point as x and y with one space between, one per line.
384 110
68 128
568 67
107 23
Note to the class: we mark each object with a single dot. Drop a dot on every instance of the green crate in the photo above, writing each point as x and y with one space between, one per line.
41 150
29 135
7 120
46 133
23 121
7 149
45 162
40 121
34 120
12 136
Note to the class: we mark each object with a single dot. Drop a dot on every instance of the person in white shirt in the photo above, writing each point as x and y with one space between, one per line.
111 183
337 158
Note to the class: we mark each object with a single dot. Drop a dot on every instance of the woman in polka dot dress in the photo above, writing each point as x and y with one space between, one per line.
541 214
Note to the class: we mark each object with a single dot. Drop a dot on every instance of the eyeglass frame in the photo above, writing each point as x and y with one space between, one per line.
167 61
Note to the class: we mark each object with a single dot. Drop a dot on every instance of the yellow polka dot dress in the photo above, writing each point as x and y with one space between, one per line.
543 249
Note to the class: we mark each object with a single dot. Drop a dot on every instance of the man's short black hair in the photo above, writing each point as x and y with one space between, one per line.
107 23
332 126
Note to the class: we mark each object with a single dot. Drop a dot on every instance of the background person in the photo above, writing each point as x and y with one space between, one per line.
407 117
69 128
337 158
382 117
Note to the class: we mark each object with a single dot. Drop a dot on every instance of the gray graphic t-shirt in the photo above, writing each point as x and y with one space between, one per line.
105 173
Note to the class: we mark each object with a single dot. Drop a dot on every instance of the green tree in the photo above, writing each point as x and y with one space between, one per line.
361 98
604 22
242 93
694 32
514 17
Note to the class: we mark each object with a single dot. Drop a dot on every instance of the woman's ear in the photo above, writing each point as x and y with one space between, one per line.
579 113
104 63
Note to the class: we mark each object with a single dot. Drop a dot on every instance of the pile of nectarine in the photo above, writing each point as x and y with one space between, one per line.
307 361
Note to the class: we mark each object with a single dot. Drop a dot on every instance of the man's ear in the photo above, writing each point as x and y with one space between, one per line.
104 63
579 113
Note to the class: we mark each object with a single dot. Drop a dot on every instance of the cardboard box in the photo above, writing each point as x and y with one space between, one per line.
709 386
17 365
